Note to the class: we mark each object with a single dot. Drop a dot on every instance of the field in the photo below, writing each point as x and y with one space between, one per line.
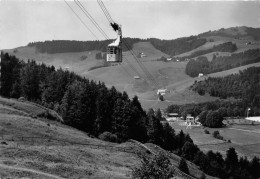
34 147
244 138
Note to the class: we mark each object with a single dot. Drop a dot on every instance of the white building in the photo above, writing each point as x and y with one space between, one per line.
200 75
161 91
255 118
172 117
142 55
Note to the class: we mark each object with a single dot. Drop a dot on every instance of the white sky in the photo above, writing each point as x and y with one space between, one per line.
23 21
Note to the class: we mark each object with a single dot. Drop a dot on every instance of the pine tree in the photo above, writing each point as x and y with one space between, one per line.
183 166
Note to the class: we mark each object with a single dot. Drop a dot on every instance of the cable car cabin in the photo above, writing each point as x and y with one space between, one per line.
114 54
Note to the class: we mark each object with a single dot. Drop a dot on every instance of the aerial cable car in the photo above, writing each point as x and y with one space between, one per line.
114 50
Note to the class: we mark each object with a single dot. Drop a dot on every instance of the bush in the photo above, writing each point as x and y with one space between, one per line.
217 135
203 176
108 136
206 131
183 166
159 166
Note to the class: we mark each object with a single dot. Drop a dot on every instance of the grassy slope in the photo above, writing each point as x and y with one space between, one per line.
168 75
44 157
247 144
230 33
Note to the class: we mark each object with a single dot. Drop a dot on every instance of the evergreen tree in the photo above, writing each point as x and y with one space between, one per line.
30 81
231 161
154 130
254 167
183 166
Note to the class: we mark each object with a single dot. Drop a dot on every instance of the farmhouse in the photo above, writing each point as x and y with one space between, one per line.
190 119
169 59
172 117
161 91
200 75
142 55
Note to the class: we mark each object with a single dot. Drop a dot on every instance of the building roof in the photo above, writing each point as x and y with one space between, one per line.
255 118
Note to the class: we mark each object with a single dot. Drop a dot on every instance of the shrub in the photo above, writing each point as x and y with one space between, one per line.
108 136
206 131
183 166
217 135
159 166
203 176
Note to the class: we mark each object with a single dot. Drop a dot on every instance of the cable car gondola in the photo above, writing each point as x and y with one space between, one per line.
114 50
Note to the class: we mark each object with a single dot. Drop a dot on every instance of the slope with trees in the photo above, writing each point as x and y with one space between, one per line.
221 63
177 46
96 109
225 47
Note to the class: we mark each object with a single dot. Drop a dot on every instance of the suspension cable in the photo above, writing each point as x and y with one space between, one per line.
103 8
147 73
80 20
83 9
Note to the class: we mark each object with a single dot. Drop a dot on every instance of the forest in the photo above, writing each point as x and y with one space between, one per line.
177 46
110 115
65 46
221 63
245 86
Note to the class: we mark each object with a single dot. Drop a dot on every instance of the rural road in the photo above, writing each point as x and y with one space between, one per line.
30 170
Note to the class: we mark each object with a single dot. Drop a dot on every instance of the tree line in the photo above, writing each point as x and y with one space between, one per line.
171 47
244 86
65 46
221 63
177 46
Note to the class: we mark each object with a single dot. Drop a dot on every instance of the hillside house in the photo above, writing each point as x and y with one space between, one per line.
161 91
200 75
172 117
190 119
142 55
169 59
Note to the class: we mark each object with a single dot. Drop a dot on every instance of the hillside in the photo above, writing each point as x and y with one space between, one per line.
167 74
40 148
245 38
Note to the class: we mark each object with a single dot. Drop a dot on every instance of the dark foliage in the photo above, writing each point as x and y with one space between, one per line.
221 63
183 166
65 46
245 85
157 167
177 46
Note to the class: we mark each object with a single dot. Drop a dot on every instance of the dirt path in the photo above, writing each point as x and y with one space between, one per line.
30 170
251 131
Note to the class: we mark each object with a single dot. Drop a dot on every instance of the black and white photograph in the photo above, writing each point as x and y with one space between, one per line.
122 89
